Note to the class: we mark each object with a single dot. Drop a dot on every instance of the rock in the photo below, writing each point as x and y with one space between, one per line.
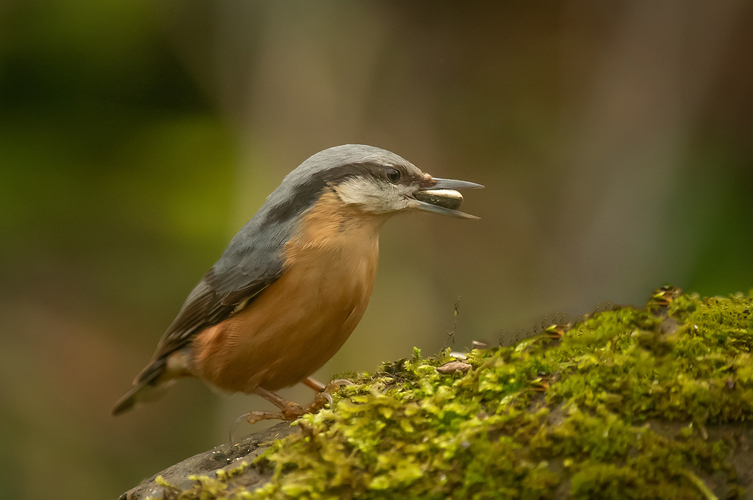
224 457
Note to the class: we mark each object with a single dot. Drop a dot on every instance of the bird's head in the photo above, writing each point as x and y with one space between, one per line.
389 187
373 181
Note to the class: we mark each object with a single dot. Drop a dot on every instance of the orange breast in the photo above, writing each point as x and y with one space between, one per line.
301 320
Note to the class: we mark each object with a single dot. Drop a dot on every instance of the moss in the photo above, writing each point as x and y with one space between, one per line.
615 406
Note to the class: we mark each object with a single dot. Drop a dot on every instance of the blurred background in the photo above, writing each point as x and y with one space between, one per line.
137 136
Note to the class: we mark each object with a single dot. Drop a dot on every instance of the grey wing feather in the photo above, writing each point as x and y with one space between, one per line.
204 307
252 261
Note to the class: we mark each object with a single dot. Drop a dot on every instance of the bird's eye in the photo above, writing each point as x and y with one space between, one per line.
393 175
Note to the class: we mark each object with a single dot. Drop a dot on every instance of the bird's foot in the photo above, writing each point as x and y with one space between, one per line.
325 396
290 410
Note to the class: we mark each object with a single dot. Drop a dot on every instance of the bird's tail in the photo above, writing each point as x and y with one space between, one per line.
149 385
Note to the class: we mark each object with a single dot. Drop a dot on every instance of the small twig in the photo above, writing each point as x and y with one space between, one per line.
456 313
698 483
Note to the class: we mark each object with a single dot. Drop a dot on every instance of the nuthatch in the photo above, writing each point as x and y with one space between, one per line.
296 279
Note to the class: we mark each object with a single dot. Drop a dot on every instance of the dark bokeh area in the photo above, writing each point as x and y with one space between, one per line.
136 137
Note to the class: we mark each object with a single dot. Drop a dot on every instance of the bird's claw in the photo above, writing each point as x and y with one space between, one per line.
329 399
338 383
326 394
289 410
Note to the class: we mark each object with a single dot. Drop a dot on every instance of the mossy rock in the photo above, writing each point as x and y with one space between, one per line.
628 403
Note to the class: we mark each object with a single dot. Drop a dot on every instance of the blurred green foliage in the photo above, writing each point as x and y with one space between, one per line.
110 158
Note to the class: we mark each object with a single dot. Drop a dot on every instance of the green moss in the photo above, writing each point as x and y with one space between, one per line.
579 411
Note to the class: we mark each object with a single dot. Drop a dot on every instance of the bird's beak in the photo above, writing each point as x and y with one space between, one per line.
442 198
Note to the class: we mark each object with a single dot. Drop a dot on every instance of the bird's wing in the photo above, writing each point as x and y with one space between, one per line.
235 281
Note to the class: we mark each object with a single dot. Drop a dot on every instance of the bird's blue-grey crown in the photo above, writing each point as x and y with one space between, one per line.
318 166
303 186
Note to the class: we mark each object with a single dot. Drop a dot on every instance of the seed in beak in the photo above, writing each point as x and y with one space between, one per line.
446 198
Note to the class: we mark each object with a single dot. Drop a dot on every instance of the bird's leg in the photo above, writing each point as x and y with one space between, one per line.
280 402
313 384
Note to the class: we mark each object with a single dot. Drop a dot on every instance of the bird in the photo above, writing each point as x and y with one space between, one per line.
294 282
